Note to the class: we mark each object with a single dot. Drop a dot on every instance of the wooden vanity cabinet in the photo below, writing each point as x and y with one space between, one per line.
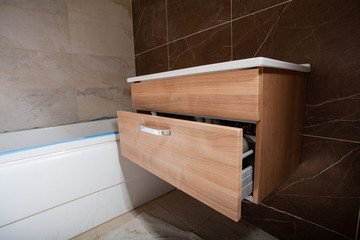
205 160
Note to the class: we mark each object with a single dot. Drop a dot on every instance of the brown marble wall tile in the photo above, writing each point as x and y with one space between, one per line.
335 118
207 47
283 225
250 32
188 16
242 8
152 61
325 34
149 24
323 191
321 199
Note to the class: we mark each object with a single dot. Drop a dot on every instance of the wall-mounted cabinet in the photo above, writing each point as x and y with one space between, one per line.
207 117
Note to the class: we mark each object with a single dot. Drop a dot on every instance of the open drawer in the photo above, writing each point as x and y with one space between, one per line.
203 160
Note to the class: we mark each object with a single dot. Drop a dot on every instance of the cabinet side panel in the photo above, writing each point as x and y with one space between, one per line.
226 95
280 128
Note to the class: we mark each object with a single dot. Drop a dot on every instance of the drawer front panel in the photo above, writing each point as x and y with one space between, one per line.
227 95
202 160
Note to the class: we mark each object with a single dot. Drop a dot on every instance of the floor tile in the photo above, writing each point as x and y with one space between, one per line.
145 226
186 208
220 227
150 214
174 216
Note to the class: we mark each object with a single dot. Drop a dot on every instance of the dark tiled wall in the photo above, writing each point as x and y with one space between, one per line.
321 199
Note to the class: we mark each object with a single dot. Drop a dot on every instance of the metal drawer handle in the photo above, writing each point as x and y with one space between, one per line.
155 131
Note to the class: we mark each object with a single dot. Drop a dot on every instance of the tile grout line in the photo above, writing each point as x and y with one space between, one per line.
207 220
257 227
75 86
271 29
167 34
357 227
190 35
203 30
59 205
262 10
150 49
302 219
331 101
231 31
172 213
329 138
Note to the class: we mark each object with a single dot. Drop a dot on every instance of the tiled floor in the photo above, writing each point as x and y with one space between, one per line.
173 216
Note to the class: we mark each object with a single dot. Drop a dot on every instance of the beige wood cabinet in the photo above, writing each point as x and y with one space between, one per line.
206 160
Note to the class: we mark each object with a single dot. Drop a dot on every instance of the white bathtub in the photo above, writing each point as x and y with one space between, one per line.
58 182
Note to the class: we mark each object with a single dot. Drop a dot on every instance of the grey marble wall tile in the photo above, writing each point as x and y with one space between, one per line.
26 109
94 103
46 6
102 71
125 4
100 28
32 69
40 69
26 29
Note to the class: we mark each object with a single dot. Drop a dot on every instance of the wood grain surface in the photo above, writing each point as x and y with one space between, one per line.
278 134
203 160
226 95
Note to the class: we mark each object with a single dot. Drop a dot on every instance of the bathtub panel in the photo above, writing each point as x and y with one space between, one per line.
68 220
36 184
69 181
145 187
75 217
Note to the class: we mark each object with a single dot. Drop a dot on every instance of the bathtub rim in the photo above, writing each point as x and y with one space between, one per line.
12 142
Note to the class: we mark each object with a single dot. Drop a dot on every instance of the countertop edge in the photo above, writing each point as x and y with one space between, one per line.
222 67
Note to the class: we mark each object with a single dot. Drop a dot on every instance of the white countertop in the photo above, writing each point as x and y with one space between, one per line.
223 67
